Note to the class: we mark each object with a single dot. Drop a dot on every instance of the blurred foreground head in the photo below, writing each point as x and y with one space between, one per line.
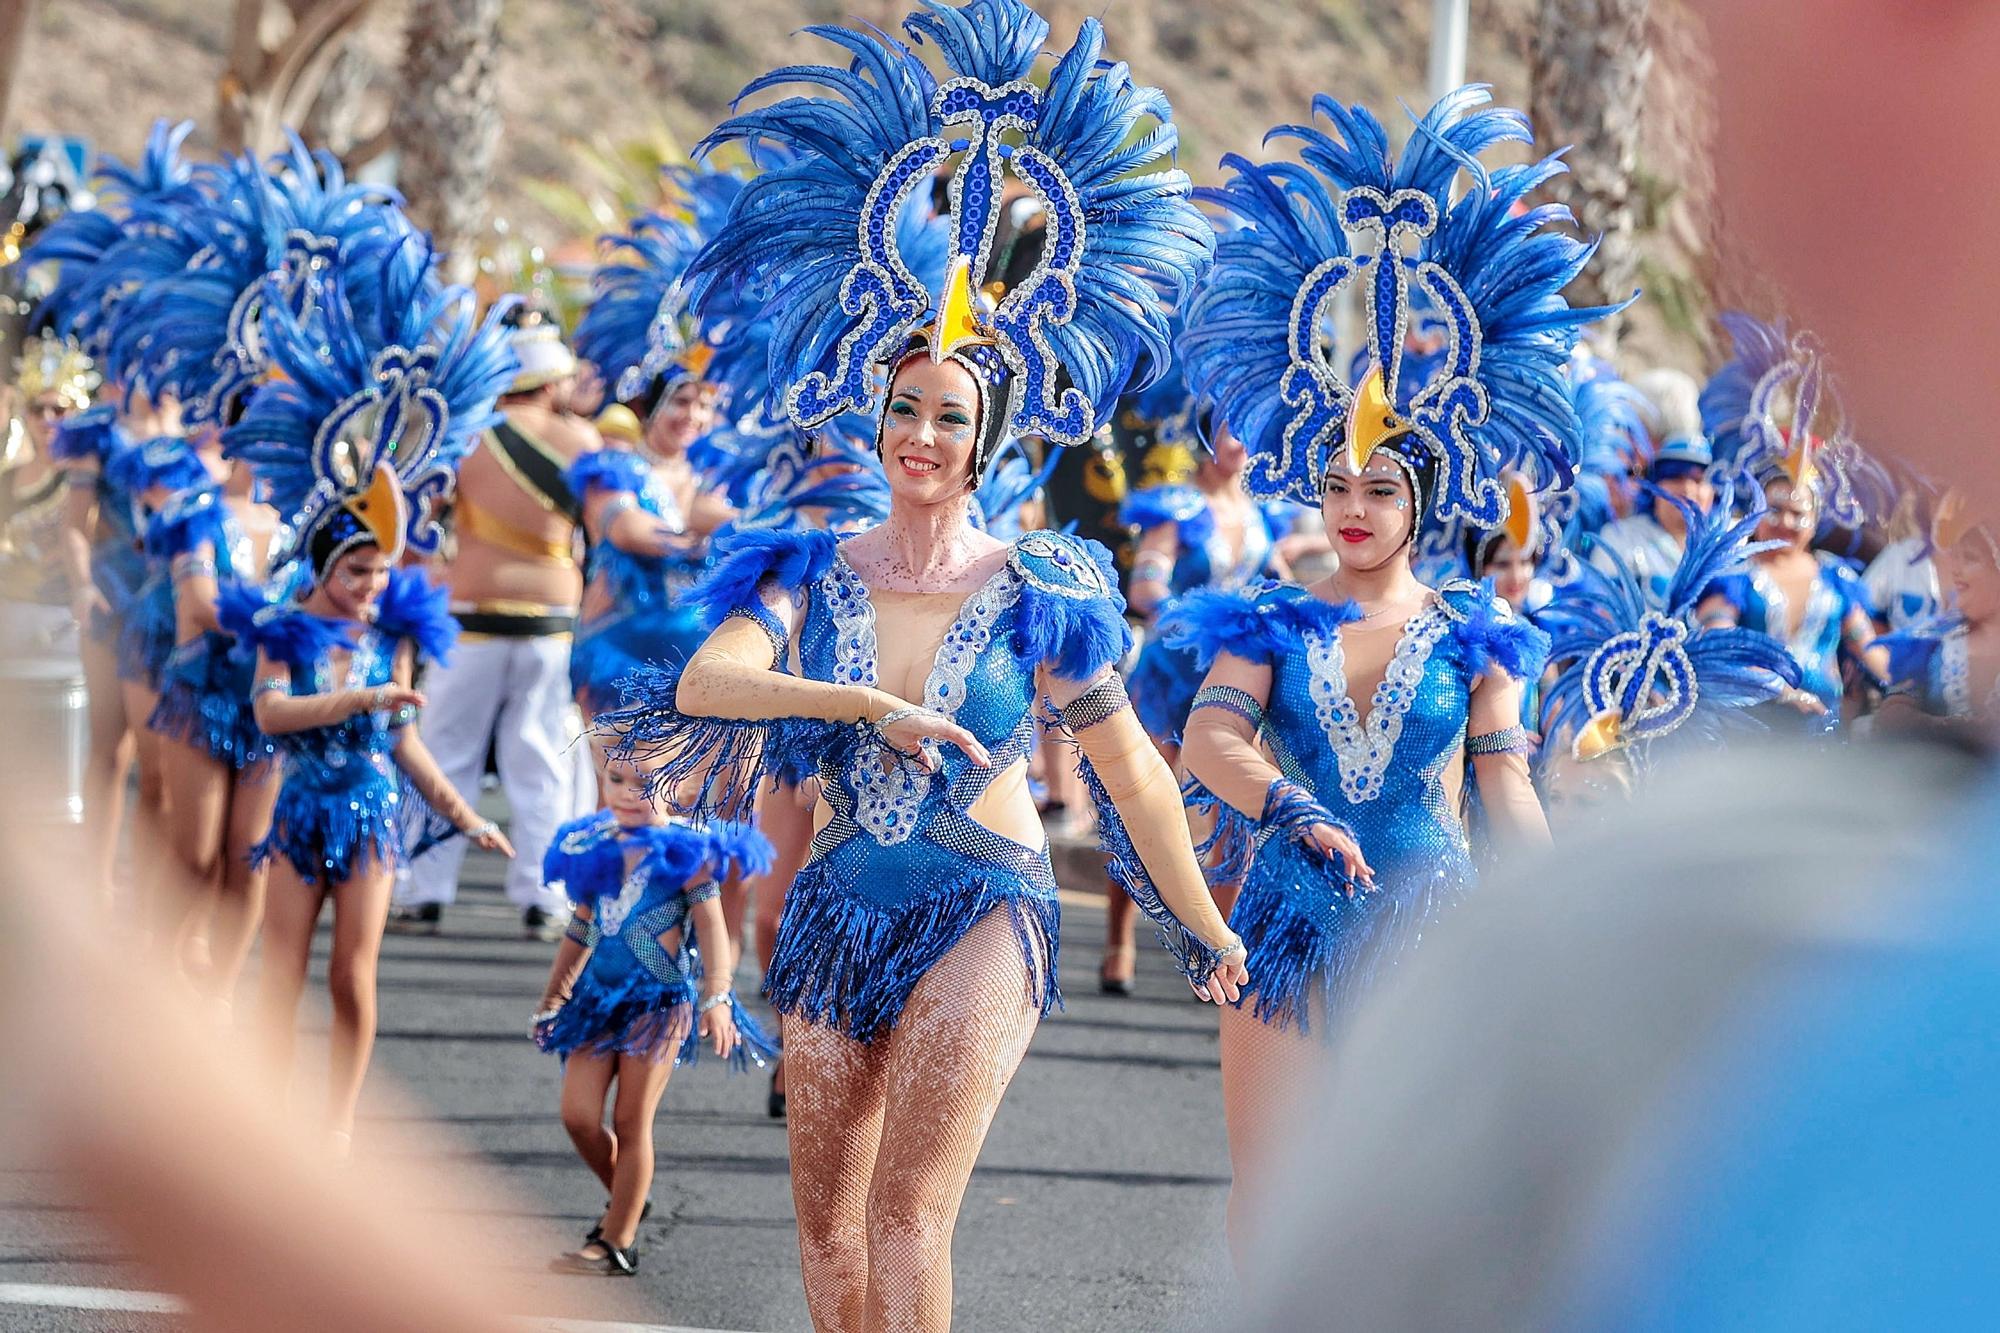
1856 166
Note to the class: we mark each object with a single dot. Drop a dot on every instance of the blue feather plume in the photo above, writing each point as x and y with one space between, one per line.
1490 269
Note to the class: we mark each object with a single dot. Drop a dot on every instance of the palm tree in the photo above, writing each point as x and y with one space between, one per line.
446 124
1589 64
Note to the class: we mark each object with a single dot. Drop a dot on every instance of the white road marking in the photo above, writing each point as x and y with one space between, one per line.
50 1296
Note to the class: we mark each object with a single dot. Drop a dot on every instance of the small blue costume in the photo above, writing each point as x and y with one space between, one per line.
649 621
117 565
1836 593
1164 679
342 805
1380 774
147 630
635 995
900 872
205 683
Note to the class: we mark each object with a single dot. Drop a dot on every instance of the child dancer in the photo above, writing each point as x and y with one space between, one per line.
622 1005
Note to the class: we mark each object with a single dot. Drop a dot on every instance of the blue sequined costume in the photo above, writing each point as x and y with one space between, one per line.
1382 773
636 995
900 871
341 807
649 620
1836 593
1164 679
87 443
1930 664
205 682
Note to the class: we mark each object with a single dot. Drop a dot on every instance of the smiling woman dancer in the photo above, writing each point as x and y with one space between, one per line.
1355 817
917 948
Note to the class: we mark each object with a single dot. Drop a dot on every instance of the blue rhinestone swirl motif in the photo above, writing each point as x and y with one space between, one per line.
1060 565
1046 296
1645 674
880 292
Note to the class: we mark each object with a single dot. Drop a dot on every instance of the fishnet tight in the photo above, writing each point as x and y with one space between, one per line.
1267 1077
884 1134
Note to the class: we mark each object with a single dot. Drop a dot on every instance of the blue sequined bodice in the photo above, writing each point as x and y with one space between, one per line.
1381 769
895 827
646 582
354 752
1761 605
650 900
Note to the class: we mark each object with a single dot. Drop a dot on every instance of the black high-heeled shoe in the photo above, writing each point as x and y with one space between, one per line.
774 1105
613 1262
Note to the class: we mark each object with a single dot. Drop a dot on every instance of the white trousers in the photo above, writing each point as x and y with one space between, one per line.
511 694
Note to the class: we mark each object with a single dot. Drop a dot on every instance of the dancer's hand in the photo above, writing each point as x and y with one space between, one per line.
87 603
488 837
718 1027
906 729
1231 975
1330 842
378 698
550 1008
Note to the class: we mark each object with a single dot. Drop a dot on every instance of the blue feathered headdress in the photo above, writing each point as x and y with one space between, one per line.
132 223
1257 343
1087 324
359 440
1771 412
1636 669
195 331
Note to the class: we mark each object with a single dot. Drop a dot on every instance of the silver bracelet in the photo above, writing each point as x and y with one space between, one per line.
714 1002
478 831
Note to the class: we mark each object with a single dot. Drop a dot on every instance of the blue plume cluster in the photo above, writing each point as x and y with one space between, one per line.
409 377
820 231
1491 266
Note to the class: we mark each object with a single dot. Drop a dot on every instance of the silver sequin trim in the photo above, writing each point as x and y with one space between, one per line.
1363 751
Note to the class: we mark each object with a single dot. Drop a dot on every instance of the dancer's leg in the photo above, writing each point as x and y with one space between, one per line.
951 1056
200 783
640 1086
1266 1075
360 908
289 919
240 905
111 754
586 1080
837 1086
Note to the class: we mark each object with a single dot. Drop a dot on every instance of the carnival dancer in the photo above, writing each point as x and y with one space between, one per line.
629 998
1642 677
644 511
917 949
1353 816
188 328
53 382
355 442
1948 667
512 575
1764 410
102 556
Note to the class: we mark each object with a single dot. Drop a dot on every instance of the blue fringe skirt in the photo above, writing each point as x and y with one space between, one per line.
205 701
641 1017
146 634
849 961
1308 939
332 835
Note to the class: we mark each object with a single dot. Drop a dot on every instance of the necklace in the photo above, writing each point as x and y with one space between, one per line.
1384 610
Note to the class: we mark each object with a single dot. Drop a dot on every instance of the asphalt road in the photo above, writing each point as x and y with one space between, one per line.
1097 1204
